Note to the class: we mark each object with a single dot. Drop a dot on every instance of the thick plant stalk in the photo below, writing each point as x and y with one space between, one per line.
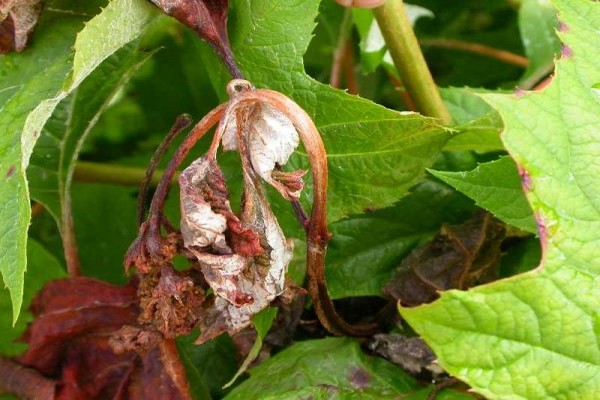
409 61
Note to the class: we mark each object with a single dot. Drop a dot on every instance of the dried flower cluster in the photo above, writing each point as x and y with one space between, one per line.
238 260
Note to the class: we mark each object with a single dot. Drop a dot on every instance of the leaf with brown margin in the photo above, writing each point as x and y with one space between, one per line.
208 18
459 257
17 20
70 341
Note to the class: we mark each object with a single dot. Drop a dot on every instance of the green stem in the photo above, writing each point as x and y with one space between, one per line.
409 61
91 172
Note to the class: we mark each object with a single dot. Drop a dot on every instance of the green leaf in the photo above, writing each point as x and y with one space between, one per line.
214 360
43 267
535 336
375 154
365 250
119 23
496 187
332 368
328 366
53 161
262 322
537 24
198 387
478 126
23 88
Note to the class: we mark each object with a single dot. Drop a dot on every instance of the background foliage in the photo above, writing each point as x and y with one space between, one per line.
86 95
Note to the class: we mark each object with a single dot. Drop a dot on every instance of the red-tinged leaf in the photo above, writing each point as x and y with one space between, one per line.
17 20
208 18
72 339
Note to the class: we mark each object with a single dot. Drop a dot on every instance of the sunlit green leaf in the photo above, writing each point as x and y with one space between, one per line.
535 336
496 187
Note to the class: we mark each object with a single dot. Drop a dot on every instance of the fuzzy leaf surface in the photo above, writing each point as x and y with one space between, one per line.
545 344
496 187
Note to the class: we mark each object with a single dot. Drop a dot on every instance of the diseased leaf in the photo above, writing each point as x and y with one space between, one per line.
271 141
17 20
374 154
459 257
496 187
71 339
410 353
545 345
40 90
43 267
208 18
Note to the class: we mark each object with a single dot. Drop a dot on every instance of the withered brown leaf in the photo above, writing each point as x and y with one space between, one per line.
69 340
272 139
208 18
244 281
17 20
459 257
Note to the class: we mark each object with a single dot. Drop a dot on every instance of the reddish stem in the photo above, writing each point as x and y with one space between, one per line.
23 382
160 195
182 122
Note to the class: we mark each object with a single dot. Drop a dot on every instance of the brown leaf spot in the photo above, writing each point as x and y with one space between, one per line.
359 377
10 172
566 51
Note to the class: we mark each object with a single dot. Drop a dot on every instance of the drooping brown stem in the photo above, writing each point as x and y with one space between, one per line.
480 49
318 235
349 73
182 122
160 195
24 383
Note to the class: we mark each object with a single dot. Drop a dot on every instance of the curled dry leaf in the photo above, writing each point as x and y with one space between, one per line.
249 272
71 339
272 139
411 353
17 20
459 257
208 18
